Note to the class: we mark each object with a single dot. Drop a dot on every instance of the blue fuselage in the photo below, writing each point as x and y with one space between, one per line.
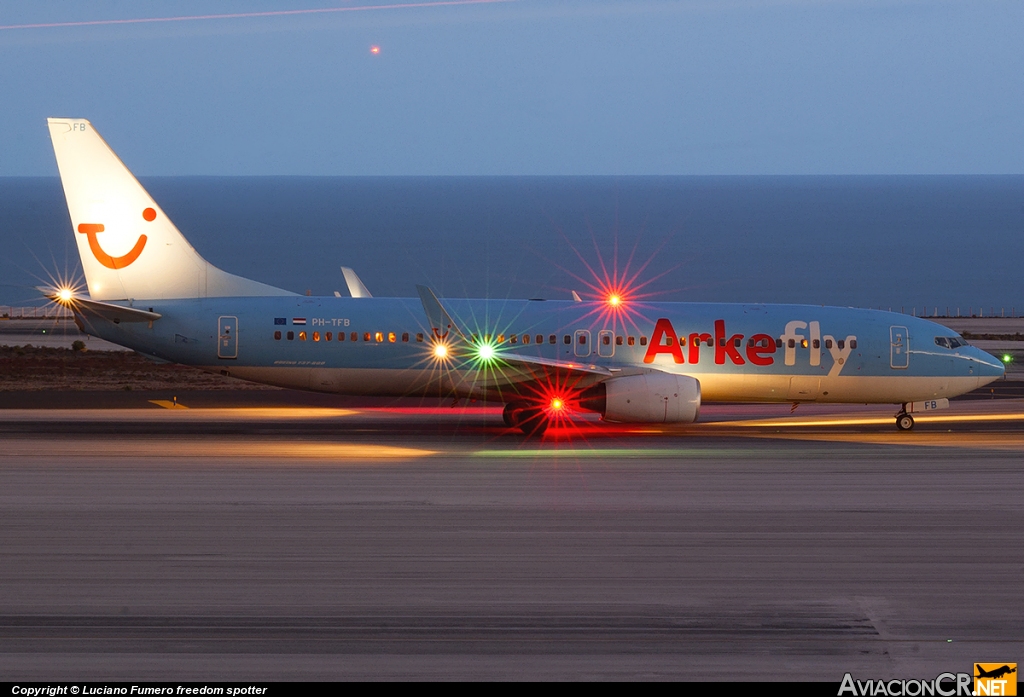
383 346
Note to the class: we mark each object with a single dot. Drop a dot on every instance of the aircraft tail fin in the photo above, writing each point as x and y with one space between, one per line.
128 245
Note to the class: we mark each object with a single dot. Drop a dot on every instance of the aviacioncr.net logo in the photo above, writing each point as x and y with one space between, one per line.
943 685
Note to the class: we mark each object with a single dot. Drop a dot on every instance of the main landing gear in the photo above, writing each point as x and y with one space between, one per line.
904 421
532 421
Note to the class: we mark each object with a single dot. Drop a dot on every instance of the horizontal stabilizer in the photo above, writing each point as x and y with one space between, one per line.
108 311
355 287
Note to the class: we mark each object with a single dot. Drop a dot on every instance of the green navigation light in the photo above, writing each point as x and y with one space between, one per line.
485 352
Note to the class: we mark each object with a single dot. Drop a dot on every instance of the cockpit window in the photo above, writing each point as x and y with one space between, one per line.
950 342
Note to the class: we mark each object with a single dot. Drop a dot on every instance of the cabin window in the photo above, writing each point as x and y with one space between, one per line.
316 336
419 338
631 340
643 341
526 338
514 339
606 340
378 336
552 339
501 338
841 343
302 336
816 343
853 343
277 336
721 342
737 342
291 336
777 342
791 343
803 344
328 336
583 339
405 337
618 341
366 336
828 343
353 336
391 337
566 339
682 341
341 336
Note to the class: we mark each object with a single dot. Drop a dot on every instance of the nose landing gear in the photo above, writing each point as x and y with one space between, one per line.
904 421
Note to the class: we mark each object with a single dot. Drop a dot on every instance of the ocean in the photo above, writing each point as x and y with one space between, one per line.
916 243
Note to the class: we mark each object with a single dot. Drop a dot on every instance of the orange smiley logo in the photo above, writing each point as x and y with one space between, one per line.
90 230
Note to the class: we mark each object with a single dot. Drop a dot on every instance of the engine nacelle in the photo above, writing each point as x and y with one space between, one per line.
647 398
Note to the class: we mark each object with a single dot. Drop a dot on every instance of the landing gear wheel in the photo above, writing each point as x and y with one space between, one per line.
512 414
533 422
904 422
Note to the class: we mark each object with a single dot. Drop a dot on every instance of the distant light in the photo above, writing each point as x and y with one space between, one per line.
375 50
440 351
1007 358
65 295
614 300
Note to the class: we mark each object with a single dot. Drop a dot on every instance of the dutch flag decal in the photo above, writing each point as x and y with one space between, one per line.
298 320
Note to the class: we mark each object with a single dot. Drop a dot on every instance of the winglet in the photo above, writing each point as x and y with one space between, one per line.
576 297
440 321
355 287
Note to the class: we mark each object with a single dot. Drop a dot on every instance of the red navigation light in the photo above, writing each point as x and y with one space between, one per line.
557 404
614 300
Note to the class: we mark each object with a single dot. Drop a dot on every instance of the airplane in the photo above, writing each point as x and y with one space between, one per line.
629 361
994 673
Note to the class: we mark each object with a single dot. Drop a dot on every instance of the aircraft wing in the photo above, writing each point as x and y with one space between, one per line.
507 368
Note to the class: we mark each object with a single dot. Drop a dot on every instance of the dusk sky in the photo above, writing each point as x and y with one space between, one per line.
523 87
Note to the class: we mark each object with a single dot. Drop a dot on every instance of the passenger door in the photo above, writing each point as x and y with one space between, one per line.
899 347
227 337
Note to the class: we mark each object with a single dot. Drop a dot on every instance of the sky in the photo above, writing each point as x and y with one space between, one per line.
524 87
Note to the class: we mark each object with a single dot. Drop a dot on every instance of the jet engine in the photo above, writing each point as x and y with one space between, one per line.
653 397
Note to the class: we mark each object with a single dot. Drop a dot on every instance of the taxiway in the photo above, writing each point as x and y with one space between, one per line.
319 543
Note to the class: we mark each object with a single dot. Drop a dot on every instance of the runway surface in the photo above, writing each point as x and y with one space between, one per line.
310 543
